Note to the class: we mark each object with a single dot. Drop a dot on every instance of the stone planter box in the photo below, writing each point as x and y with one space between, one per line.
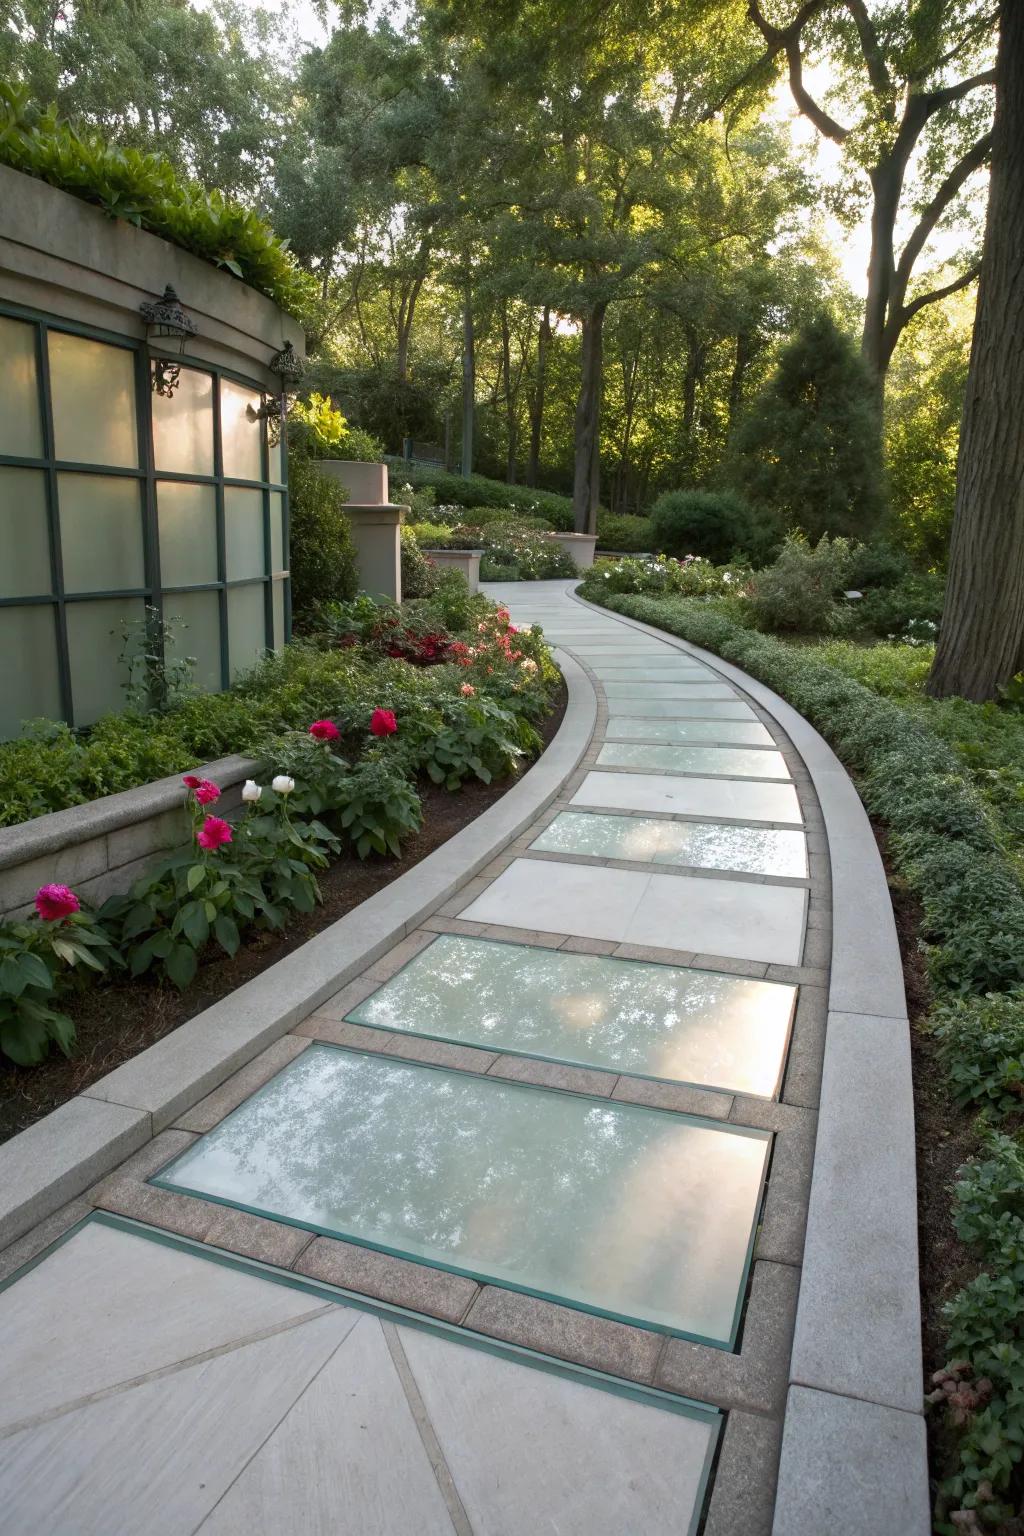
465 560
580 545
101 848
367 484
376 524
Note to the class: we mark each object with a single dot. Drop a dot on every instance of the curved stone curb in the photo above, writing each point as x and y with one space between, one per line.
64 1153
854 1456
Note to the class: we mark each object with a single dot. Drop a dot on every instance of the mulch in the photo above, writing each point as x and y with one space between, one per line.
116 1020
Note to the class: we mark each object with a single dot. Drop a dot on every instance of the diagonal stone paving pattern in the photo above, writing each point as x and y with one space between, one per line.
571 1117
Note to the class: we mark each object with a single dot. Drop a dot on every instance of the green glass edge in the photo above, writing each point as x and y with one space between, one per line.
565 1061
161 1181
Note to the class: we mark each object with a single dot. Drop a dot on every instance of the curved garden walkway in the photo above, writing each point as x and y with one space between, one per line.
573 1112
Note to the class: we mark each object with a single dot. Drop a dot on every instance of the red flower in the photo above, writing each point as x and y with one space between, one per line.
324 730
383 722
213 833
206 792
54 902
191 782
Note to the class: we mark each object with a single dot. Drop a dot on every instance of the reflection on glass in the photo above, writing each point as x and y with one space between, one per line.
243 533
92 387
188 533
681 709
183 425
241 431
21 432
198 635
275 457
744 732
700 844
631 1016
94 643
279 635
24 534
247 627
277 562
29 689
100 532
644 689
640 1214
734 762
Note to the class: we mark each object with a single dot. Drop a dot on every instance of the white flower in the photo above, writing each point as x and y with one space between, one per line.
283 785
528 665
251 791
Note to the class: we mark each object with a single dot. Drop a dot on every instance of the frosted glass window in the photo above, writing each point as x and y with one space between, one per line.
241 432
247 627
187 516
29 686
95 643
277 561
279 634
197 635
274 449
92 387
100 532
24 535
183 425
21 431
243 533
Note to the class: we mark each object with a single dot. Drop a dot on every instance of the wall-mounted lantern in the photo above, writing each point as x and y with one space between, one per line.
289 367
167 321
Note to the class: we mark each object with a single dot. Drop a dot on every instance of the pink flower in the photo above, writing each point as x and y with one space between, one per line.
206 792
54 902
324 730
383 722
467 690
213 833
191 782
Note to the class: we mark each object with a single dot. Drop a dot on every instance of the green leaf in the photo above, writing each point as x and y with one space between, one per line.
226 932
13 980
195 925
181 965
195 876
36 972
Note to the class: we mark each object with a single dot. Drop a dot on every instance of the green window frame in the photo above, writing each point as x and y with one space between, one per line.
152 592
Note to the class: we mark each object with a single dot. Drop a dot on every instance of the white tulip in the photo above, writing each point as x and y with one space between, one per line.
251 791
282 785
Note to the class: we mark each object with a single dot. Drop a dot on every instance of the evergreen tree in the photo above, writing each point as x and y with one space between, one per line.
808 450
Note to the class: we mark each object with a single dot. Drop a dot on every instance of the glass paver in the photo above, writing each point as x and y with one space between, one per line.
732 762
658 1021
743 732
682 709
633 1213
699 844
647 689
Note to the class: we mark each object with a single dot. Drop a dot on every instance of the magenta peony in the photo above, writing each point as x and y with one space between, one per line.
213 833
324 730
54 902
383 722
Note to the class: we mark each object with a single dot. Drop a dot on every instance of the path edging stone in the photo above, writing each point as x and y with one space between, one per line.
857 1344
44 1167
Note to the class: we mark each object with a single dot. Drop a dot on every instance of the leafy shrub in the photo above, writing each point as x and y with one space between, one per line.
714 524
877 564
378 808
479 491
516 552
910 610
981 1045
632 535
798 592
651 574
146 190
419 574
41 959
322 554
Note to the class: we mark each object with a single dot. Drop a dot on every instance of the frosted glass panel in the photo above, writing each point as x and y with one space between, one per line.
95 642
241 432
636 1213
30 688
24 536
188 533
279 634
276 457
730 762
20 428
247 631
702 844
100 533
200 636
660 1021
183 425
277 562
243 533
92 387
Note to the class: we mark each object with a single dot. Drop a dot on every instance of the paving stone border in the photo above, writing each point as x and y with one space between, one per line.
55 1160
855 1373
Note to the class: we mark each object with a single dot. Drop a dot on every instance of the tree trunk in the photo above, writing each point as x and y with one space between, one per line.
744 356
586 489
511 397
468 381
981 644
537 398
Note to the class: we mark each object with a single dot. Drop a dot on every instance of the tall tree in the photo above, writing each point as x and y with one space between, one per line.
981 643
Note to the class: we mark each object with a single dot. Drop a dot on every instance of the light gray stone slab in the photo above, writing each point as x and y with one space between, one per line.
859 1325
348 1458
738 799
732 918
750 733
851 1466
108 1306
61 1155
529 1450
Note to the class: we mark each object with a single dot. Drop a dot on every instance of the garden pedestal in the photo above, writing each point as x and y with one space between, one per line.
465 560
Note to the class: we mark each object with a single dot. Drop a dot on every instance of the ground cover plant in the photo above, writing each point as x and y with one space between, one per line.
944 777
